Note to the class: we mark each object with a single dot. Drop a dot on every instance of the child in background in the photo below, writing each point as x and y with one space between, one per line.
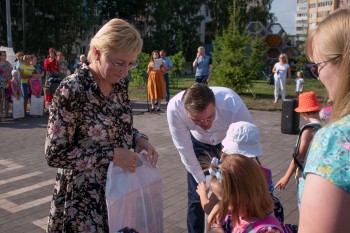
299 83
309 107
37 101
17 96
326 112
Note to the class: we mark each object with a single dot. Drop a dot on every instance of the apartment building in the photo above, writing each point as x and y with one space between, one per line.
311 12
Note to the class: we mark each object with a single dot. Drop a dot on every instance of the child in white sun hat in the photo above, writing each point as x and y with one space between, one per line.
242 138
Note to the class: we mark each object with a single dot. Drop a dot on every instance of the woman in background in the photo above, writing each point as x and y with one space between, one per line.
281 72
156 83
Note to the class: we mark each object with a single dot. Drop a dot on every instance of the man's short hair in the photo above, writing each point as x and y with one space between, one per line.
197 98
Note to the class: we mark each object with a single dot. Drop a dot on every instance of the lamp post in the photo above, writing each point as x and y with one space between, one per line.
24 23
8 23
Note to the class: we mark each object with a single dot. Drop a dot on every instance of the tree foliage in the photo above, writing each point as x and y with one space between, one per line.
178 61
139 74
55 23
169 25
239 55
245 12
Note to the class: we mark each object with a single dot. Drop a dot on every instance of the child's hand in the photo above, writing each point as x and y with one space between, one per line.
201 189
282 183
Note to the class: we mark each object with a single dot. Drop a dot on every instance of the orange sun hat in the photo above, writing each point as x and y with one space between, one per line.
308 102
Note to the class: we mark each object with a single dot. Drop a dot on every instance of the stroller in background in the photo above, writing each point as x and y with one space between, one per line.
53 81
269 77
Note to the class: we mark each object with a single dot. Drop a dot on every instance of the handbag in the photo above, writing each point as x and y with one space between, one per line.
134 199
36 105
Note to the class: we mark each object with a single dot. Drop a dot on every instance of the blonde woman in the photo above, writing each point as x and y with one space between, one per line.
281 72
90 125
325 201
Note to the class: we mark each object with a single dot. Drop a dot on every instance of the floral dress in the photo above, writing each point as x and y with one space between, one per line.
84 128
329 154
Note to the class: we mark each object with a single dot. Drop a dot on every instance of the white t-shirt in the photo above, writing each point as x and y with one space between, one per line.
229 109
299 84
281 70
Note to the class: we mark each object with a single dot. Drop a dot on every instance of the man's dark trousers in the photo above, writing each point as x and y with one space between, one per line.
195 213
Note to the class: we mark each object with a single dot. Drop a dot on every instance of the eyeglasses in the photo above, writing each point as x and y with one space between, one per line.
314 67
119 66
209 119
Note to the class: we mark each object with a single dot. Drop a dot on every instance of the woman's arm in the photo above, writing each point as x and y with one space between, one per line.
274 69
163 67
149 67
324 207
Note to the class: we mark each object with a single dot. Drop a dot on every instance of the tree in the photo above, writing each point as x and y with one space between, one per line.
256 58
56 23
139 74
170 25
246 11
230 49
63 24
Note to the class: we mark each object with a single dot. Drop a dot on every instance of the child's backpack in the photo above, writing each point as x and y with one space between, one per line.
269 221
314 127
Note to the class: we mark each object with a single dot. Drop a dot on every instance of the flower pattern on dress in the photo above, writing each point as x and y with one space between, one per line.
329 154
84 128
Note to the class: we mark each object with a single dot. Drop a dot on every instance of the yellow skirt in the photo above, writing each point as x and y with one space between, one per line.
156 85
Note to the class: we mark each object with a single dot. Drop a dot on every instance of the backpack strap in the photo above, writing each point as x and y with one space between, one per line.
315 127
269 221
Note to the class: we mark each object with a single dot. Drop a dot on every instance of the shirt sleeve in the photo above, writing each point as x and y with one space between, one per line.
62 149
329 157
182 140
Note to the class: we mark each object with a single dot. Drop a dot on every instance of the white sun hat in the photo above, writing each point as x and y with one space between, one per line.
242 138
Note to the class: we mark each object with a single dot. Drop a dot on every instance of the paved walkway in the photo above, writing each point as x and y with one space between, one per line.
26 181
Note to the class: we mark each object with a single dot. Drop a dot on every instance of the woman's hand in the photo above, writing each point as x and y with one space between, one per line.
142 144
125 159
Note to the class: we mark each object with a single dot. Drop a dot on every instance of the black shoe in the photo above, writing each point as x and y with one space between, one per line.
152 109
158 109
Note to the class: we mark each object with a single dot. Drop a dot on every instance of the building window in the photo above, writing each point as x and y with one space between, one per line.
324 4
312 15
313 5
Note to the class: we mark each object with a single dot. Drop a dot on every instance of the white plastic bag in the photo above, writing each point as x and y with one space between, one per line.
135 199
36 105
17 107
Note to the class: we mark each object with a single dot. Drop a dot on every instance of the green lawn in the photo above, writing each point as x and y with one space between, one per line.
263 92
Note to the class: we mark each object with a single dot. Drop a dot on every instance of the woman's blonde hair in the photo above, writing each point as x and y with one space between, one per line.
284 57
116 36
330 40
245 190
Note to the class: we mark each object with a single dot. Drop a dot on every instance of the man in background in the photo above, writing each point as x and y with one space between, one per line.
203 65
169 66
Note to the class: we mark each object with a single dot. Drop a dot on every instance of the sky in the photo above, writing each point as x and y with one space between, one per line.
285 11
